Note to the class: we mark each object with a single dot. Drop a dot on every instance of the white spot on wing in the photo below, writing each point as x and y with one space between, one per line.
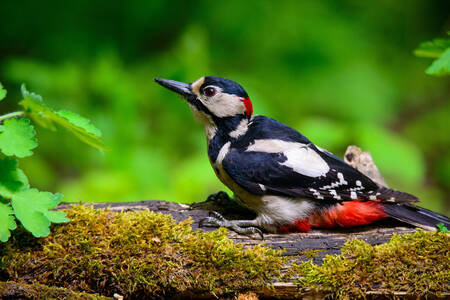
341 181
358 183
353 195
263 188
334 194
316 193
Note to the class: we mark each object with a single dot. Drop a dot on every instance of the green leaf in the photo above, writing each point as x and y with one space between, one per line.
7 221
31 208
440 66
433 49
12 179
46 117
2 92
442 228
79 121
17 137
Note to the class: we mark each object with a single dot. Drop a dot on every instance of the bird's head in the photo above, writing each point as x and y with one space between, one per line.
212 98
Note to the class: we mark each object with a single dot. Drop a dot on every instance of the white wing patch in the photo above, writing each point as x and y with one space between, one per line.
306 161
272 146
300 157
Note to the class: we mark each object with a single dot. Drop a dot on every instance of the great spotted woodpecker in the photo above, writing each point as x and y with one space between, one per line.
290 183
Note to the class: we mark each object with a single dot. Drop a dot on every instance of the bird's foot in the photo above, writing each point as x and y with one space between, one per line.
245 227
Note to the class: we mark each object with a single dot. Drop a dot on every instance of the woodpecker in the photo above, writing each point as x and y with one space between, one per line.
289 182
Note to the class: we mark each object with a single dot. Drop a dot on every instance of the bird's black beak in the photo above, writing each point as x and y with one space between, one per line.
181 88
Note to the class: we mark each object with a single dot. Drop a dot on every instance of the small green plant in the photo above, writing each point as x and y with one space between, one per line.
18 201
442 228
440 50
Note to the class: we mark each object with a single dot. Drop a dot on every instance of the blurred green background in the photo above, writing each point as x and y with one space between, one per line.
341 72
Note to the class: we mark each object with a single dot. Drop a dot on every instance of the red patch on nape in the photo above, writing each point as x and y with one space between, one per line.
298 226
349 214
248 106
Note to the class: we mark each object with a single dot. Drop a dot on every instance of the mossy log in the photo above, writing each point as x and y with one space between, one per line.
317 242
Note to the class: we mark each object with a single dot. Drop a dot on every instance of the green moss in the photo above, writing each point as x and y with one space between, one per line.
16 290
149 255
136 254
418 264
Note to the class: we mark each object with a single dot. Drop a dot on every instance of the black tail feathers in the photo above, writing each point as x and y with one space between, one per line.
415 215
387 194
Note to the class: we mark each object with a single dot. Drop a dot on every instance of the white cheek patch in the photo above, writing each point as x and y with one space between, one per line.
225 105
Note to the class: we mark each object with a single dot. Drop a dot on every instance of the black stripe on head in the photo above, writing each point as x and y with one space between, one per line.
227 86
201 107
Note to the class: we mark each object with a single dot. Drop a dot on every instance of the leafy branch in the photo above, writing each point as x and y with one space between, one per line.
18 201
440 50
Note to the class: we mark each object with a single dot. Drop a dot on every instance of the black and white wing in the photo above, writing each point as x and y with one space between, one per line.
296 169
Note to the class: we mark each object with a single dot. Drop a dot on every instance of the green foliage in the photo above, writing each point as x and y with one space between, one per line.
6 215
46 117
139 255
440 66
17 137
442 228
32 208
2 92
18 201
439 49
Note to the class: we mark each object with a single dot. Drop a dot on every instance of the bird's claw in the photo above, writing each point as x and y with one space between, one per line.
239 226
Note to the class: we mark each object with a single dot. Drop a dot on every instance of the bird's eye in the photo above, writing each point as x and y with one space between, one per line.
209 91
